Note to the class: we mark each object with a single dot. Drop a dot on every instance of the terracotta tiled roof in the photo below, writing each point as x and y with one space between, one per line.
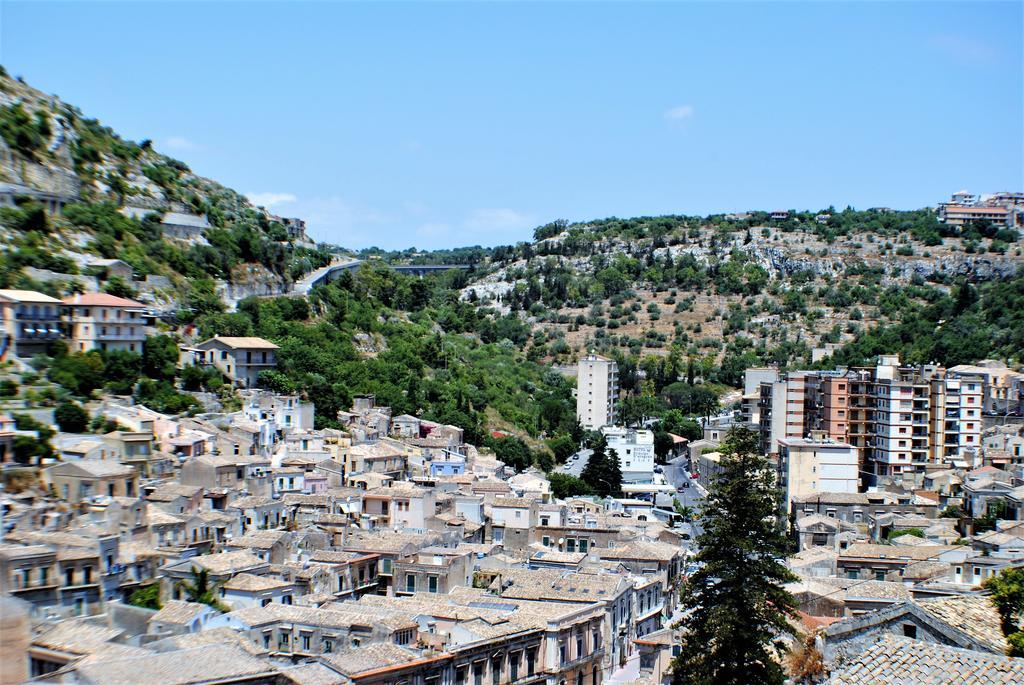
897 660
102 300
971 614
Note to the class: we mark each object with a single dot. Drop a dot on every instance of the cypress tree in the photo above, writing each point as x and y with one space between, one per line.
602 472
737 607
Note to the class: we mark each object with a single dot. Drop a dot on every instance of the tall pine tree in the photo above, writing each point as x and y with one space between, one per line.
737 607
602 472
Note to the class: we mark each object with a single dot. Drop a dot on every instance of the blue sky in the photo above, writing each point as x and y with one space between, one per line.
438 125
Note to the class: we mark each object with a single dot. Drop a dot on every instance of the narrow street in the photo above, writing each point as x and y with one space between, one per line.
575 466
692 496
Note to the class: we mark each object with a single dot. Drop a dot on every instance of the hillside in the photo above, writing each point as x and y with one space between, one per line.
184 236
733 290
76 195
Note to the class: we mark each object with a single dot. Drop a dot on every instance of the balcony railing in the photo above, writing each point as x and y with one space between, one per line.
573 663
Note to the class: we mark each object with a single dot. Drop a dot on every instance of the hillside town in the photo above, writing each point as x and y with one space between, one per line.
515 343
251 547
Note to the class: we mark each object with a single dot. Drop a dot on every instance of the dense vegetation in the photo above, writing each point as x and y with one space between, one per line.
965 325
410 342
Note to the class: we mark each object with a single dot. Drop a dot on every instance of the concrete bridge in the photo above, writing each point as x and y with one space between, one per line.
328 273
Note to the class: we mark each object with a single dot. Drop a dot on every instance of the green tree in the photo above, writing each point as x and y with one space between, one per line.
675 422
159 357
564 485
736 605
602 472
513 451
1007 593
563 447
200 589
117 286
147 597
71 417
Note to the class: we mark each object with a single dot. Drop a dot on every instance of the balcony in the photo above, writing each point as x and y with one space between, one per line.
579 661
21 586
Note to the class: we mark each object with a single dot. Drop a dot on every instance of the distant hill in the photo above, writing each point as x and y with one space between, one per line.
756 287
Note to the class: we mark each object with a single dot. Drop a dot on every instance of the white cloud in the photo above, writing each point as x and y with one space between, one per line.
498 220
180 144
679 113
268 200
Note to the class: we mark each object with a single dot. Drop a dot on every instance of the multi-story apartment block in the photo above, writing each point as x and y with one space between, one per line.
1001 387
782 409
241 360
98 321
30 320
902 420
597 391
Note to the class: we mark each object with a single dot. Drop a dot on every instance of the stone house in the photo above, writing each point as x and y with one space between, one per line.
239 359
79 481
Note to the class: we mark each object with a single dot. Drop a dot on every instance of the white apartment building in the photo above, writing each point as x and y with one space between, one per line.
809 466
597 391
98 321
956 423
635 451
901 403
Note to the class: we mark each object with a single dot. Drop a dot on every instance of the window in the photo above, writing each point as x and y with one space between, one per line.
496 670
570 545
513 666
385 566
410 583
879 575
546 541
531 661
909 630
432 584
579 645
478 673
460 675
306 637
266 640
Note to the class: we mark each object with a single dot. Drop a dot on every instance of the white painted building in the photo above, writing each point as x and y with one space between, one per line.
597 391
809 466
635 450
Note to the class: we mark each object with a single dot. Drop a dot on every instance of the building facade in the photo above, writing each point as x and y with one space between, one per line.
597 391
98 321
